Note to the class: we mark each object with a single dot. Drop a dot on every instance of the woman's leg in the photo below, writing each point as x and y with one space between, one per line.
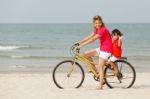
103 57
101 72
89 54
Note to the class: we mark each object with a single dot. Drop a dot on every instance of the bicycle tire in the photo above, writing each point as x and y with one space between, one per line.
61 64
111 84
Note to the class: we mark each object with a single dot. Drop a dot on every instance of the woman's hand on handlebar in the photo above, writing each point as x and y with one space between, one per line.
78 45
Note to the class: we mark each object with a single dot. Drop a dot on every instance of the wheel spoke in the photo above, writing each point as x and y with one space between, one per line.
66 75
126 77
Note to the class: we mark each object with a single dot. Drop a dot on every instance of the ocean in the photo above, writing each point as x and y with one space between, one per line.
39 47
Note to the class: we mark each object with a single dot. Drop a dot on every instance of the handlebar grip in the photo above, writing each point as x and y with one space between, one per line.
76 44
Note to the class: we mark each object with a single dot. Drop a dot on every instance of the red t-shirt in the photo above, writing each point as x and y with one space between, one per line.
117 51
104 39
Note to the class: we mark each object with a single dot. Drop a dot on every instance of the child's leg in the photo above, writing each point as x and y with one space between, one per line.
113 66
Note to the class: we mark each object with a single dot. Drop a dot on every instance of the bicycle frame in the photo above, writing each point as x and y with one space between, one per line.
87 63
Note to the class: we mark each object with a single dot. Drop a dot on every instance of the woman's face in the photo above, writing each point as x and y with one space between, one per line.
97 23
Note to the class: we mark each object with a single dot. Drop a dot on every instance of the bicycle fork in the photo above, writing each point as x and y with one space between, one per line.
72 68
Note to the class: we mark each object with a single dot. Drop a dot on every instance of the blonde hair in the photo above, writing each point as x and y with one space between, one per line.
97 17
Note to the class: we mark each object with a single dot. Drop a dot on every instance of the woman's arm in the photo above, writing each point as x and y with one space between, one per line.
86 38
90 40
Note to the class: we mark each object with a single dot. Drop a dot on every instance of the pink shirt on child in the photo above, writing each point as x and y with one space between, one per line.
104 39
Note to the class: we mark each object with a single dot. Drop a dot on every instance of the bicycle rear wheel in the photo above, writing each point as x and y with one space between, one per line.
67 75
126 77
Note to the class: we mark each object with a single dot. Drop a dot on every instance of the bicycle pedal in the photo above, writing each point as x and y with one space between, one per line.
109 67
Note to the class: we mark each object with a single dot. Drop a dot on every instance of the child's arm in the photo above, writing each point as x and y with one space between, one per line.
120 41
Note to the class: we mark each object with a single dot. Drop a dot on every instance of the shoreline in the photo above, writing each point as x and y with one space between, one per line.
18 65
43 67
143 67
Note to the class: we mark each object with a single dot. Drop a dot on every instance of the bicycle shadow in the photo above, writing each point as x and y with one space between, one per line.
141 86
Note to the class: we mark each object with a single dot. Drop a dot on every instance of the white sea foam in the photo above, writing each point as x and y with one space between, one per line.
16 66
3 48
15 56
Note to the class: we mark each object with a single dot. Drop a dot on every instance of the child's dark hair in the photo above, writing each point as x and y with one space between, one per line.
116 32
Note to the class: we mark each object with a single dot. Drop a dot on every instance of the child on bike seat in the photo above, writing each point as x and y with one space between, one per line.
117 50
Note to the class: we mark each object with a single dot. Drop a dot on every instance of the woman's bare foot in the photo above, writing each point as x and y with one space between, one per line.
99 88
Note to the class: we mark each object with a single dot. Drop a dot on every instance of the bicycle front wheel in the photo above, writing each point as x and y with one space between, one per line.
68 74
125 78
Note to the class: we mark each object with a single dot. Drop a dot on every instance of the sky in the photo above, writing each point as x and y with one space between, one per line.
74 11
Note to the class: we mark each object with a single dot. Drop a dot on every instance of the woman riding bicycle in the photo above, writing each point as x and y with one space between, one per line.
104 51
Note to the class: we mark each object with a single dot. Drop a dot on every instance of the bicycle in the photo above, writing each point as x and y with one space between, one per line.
69 73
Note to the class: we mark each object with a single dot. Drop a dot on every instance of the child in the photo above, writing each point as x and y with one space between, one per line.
117 50
104 51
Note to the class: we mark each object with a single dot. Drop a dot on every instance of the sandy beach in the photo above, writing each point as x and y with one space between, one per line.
41 86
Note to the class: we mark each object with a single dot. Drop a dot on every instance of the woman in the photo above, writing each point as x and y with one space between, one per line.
103 51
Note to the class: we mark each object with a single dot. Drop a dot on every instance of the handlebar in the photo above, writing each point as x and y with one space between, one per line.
75 49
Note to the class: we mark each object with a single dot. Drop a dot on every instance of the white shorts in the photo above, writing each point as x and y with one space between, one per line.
102 54
113 58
